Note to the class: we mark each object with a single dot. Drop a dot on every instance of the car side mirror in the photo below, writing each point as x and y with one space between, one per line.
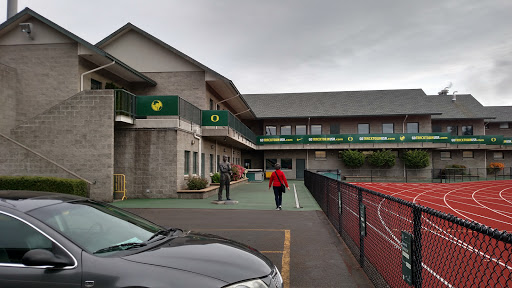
41 257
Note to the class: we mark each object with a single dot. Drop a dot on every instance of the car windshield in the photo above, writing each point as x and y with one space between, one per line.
96 226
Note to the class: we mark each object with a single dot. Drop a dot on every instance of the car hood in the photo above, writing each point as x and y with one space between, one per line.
209 255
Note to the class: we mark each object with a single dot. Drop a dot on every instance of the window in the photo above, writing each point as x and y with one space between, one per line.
467 154
95 84
498 155
270 163
286 130
335 128
20 239
300 130
211 163
413 127
452 130
316 129
437 128
194 163
270 130
467 130
187 162
388 128
211 104
218 107
486 125
363 128
320 155
218 161
286 163
504 125
446 155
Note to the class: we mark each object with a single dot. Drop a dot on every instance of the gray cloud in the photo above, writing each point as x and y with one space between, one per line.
323 45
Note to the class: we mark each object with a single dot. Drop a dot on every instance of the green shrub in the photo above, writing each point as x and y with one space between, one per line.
382 159
454 169
352 158
49 184
416 159
197 183
216 177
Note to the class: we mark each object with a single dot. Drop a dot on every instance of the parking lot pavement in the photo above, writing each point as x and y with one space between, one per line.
302 244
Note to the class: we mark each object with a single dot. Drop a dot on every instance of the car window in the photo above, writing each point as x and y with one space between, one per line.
18 238
93 226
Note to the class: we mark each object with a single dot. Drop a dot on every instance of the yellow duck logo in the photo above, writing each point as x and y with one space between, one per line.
402 137
350 139
157 105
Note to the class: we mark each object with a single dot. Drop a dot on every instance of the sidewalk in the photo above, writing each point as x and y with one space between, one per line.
250 196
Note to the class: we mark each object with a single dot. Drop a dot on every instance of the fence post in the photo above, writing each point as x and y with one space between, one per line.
361 237
417 267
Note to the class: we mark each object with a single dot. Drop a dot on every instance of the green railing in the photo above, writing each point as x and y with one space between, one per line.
125 103
189 112
240 127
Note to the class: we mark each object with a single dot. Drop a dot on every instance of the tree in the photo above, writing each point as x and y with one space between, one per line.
352 158
416 159
382 159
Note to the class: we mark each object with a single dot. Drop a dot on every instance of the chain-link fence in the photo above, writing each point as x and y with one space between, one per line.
445 175
402 244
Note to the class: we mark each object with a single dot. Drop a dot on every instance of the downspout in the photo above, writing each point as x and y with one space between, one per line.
96 69
200 146
403 131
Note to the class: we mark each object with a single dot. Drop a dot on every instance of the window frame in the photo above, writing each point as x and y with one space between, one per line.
284 126
272 166
363 125
194 163
318 155
316 126
440 128
466 152
301 126
504 124
417 124
287 167
494 155
446 158
392 128
270 126
336 128
449 130
96 85
464 127
187 163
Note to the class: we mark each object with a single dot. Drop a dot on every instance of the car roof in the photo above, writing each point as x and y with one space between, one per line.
24 200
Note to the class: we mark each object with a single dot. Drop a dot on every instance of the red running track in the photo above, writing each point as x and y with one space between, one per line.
486 202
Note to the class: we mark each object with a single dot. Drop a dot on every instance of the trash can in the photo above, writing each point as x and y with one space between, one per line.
255 175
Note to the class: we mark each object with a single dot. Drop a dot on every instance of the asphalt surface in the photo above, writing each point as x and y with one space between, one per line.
300 241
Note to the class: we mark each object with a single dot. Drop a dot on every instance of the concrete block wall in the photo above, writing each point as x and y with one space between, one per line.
8 90
188 85
78 134
47 74
149 160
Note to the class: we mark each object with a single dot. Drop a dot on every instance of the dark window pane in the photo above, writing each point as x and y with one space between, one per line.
270 163
452 130
335 128
270 130
437 128
286 164
467 130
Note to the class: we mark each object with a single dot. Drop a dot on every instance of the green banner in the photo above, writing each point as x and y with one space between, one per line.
354 138
157 105
478 139
215 118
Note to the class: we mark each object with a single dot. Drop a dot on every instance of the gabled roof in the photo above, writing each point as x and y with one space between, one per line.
502 113
465 106
341 104
129 26
28 11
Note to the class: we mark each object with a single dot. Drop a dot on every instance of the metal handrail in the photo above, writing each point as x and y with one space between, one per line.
125 103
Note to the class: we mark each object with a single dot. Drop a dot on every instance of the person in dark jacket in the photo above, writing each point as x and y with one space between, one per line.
276 180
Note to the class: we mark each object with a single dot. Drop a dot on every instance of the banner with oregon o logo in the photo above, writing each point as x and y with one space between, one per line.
478 139
157 105
215 118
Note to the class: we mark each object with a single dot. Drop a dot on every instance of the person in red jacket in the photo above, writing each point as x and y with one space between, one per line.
277 179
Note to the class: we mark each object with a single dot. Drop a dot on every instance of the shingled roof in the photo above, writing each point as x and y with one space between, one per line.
502 113
465 106
341 104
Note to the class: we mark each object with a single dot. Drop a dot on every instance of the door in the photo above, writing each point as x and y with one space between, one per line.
301 166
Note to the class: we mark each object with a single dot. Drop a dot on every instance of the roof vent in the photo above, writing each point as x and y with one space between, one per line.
12 8
454 98
445 90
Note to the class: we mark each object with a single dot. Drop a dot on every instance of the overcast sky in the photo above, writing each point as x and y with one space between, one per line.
279 46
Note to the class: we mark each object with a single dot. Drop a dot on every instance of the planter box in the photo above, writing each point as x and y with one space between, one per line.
206 192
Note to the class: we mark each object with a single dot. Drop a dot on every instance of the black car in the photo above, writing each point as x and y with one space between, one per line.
59 240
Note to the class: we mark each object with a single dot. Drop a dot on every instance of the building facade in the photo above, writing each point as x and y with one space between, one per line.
133 105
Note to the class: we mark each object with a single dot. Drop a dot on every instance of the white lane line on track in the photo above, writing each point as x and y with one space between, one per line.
501 194
495 211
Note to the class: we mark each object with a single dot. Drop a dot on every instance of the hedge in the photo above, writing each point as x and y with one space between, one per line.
48 184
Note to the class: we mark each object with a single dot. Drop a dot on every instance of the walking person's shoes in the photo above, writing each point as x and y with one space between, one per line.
280 208
277 208
229 199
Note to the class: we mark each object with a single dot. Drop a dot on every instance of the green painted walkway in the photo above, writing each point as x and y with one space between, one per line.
250 196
